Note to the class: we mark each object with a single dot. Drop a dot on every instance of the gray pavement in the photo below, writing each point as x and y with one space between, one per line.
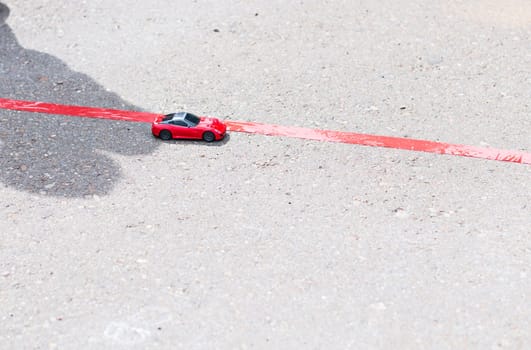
111 239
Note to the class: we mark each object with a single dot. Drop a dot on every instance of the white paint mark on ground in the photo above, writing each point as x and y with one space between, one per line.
138 327
124 333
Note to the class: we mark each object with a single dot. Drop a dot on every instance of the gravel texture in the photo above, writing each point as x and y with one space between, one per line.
111 239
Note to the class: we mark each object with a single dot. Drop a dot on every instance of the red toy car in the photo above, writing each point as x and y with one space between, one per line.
183 125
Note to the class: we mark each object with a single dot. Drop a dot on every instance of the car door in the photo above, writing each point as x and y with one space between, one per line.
179 129
193 131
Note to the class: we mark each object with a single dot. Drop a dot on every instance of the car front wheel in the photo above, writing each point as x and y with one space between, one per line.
165 135
209 136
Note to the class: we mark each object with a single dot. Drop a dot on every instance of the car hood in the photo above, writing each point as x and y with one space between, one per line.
211 122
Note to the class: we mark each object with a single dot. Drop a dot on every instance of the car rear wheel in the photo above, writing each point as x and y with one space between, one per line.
209 136
165 135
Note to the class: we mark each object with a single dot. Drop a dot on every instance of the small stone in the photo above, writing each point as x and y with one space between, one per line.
401 213
378 306
434 59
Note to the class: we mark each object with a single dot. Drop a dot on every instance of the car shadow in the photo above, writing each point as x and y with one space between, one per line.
185 142
54 155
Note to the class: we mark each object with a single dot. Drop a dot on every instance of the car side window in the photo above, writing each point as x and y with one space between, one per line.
178 122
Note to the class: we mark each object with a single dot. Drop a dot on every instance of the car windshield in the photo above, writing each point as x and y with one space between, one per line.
191 118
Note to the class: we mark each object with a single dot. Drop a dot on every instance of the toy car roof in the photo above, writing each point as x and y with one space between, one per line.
174 116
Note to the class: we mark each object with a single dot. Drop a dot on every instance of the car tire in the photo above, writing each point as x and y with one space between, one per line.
209 136
165 135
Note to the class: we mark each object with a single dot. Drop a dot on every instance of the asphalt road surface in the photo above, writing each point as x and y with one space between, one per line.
112 239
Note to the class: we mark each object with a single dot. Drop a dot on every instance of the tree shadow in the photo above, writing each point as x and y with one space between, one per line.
55 155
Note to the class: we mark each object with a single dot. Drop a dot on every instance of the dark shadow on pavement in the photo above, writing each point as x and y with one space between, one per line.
55 155
219 143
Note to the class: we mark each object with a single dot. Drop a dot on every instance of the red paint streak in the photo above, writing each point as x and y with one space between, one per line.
288 131
77 111
382 141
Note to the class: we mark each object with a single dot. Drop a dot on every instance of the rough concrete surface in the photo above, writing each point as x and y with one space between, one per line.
111 239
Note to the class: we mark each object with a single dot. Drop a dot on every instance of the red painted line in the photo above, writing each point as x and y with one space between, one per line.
288 131
382 141
77 111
